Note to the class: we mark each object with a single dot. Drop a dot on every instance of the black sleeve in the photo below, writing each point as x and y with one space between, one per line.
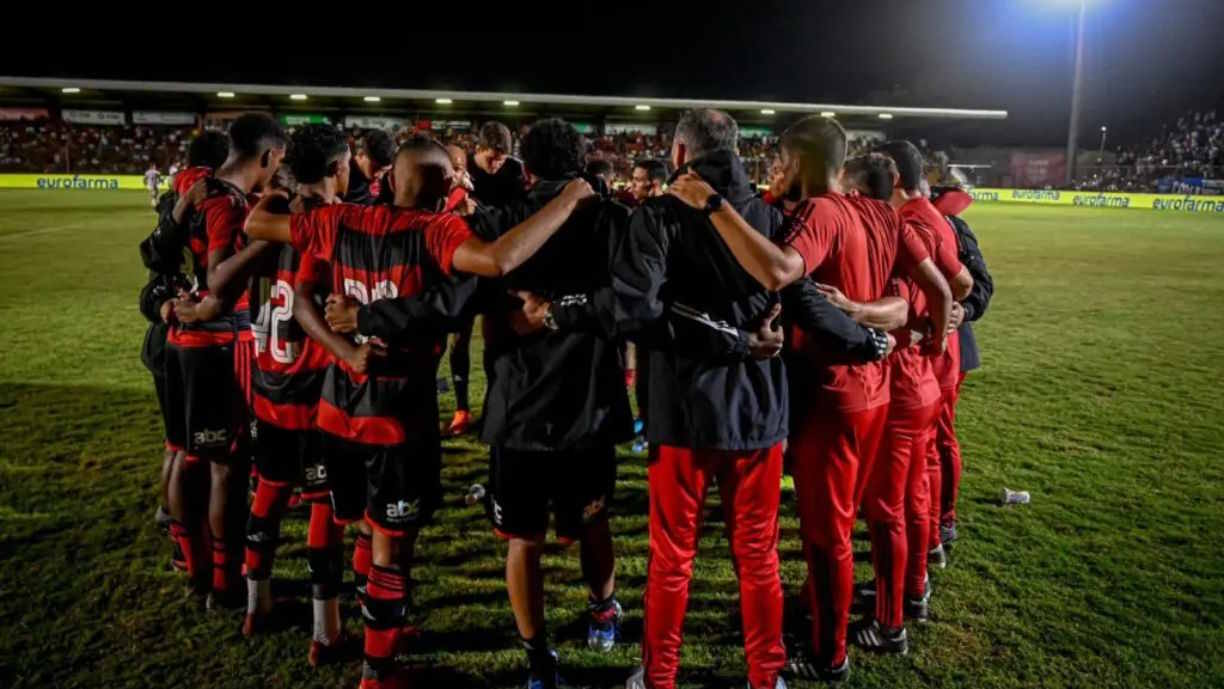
155 293
633 307
971 256
632 304
831 328
162 250
441 309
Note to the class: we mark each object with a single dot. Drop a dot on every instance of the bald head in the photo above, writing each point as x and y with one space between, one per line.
423 173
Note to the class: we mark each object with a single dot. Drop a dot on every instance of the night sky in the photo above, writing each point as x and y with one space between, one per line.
1146 61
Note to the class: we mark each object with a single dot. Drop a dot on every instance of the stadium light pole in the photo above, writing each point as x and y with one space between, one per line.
1073 131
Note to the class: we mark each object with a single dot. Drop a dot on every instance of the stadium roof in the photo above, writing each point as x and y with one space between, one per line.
201 97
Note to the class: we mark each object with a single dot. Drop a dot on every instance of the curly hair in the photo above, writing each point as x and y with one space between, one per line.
552 149
314 152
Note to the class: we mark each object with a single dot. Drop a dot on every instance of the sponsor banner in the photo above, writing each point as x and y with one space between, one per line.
54 182
443 125
1176 203
374 122
1196 185
1035 169
163 117
16 114
584 127
103 117
300 118
613 128
755 132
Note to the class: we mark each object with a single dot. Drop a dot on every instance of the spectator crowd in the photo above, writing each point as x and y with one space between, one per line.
1193 147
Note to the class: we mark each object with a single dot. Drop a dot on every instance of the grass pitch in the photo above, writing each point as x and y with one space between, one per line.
1102 393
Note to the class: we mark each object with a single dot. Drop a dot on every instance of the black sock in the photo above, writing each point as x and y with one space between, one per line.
539 656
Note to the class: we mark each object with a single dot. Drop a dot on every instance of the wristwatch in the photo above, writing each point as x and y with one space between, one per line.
713 203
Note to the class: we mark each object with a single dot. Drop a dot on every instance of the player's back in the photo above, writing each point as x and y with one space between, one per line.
553 390
382 252
289 366
860 235
215 225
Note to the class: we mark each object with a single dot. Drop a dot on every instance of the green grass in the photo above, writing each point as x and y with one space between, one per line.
1101 393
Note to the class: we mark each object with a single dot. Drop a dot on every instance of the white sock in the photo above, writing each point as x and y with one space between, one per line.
326 620
259 596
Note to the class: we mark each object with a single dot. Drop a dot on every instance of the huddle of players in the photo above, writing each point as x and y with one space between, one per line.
324 322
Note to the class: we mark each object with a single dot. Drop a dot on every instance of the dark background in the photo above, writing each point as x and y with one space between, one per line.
1146 61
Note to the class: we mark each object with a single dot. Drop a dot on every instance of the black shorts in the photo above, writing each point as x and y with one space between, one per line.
203 405
290 458
163 401
396 487
575 486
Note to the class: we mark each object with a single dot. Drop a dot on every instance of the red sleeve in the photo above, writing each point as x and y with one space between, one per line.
946 259
455 199
313 233
913 247
223 218
818 221
443 236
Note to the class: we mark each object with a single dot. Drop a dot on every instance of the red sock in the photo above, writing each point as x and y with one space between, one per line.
189 546
385 597
363 558
324 532
263 527
222 581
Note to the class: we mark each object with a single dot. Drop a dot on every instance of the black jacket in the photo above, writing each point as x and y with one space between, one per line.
552 390
162 253
979 297
670 253
500 189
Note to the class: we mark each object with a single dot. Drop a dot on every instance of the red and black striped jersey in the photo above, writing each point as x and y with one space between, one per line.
382 252
289 365
185 179
217 225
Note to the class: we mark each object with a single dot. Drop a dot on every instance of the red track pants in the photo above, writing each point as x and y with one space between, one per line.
896 506
831 454
944 463
749 482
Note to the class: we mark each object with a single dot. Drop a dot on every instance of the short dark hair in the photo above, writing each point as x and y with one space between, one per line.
378 145
874 172
253 133
908 159
817 139
496 136
209 149
314 150
655 169
599 168
705 130
552 149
